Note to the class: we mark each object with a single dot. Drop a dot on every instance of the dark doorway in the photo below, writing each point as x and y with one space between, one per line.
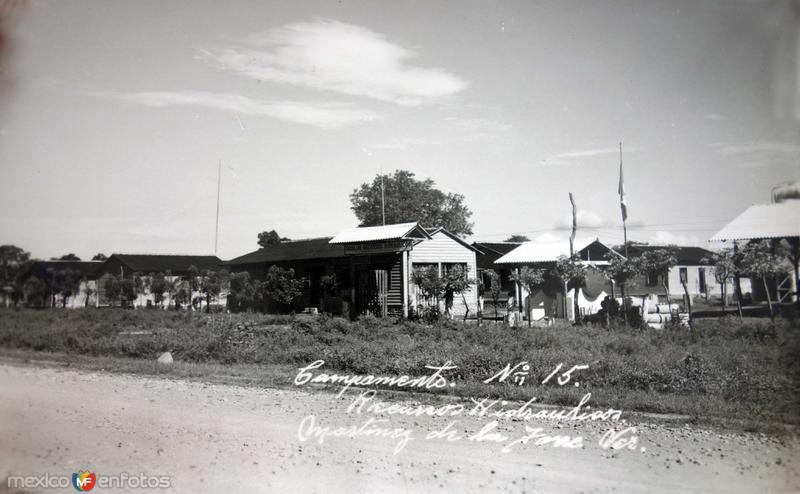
373 289
701 274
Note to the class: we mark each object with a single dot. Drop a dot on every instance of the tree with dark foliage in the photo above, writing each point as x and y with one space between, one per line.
724 271
13 262
516 239
407 199
620 270
495 289
281 286
571 271
758 260
159 285
531 279
245 293
270 238
122 289
659 262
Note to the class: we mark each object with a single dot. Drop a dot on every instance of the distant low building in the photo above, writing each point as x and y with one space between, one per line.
42 283
174 267
699 275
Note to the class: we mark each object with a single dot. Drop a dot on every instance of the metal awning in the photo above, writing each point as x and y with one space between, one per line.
400 231
779 220
545 251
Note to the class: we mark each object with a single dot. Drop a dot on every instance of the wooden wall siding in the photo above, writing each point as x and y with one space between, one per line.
395 292
443 249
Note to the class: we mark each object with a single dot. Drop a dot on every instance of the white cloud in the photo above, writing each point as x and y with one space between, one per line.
669 238
714 116
587 152
758 147
334 56
325 115
575 156
585 219
450 130
473 125
761 154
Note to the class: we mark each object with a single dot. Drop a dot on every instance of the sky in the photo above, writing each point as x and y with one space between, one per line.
115 115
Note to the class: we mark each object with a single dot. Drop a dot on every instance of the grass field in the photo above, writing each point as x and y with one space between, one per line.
736 371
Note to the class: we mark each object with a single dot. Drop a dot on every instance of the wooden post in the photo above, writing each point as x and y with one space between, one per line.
737 287
624 308
518 291
404 291
575 305
688 301
769 298
795 258
574 226
352 262
689 305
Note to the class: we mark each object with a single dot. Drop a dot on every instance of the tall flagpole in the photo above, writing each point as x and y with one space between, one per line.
622 204
216 226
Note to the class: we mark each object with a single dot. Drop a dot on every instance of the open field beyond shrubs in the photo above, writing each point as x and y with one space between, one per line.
745 371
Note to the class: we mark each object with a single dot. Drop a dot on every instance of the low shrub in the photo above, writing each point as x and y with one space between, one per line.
753 365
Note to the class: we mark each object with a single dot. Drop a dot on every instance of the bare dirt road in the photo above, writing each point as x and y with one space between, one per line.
214 438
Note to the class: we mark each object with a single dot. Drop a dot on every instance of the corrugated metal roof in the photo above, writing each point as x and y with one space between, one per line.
496 247
492 251
153 263
542 251
312 248
763 221
686 255
85 268
374 233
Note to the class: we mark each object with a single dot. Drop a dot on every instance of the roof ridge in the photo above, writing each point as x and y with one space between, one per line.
390 224
303 239
156 255
64 260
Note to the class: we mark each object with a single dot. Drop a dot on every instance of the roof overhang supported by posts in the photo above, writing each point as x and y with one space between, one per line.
370 248
546 253
772 222
377 240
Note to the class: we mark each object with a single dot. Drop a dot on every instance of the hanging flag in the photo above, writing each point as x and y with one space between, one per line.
622 205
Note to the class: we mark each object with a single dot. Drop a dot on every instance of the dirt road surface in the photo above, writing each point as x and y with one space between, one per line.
215 438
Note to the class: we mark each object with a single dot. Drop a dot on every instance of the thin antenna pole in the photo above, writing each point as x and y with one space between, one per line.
383 204
216 226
